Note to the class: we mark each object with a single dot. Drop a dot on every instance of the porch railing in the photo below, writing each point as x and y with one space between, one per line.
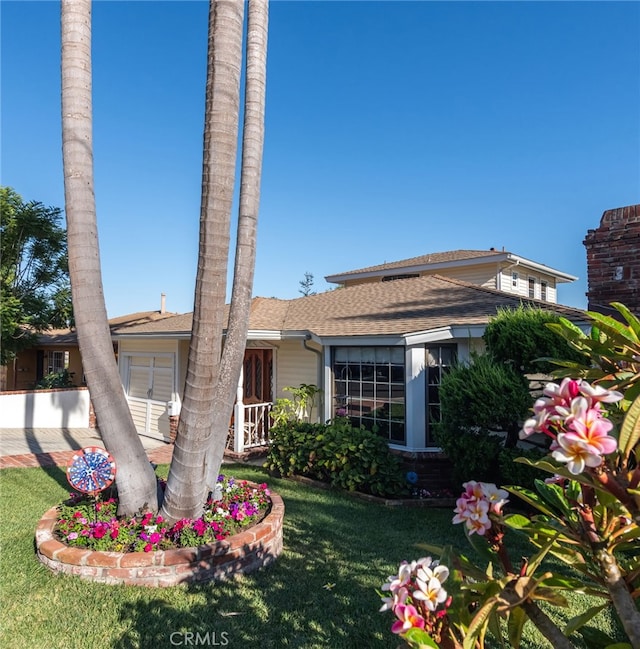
253 421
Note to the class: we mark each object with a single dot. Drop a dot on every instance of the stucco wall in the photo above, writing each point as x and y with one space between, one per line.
63 408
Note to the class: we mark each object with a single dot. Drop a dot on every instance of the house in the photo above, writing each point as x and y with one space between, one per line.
503 271
377 346
57 350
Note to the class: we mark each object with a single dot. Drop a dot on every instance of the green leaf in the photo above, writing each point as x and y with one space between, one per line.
419 639
478 624
530 497
580 620
630 430
515 624
553 495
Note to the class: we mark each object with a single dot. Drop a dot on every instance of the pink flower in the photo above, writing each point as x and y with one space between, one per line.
577 453
408 618
72 536
476 502
148 547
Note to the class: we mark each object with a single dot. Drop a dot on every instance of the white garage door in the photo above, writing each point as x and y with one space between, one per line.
149 384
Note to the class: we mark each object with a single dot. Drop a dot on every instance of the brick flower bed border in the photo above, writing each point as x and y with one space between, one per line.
239 554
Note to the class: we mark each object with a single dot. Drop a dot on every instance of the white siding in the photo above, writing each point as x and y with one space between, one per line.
294 365
153 346
480 275
522 288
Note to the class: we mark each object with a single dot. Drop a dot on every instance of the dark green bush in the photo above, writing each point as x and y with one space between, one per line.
473 454
514 473
354 459
520 337
63 379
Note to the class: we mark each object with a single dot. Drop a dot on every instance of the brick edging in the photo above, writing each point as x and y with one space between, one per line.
239 554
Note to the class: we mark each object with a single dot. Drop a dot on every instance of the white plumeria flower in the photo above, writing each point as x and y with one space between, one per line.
430 592
496 497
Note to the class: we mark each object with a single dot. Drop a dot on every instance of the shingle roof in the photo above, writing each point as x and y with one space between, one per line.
379 308
69 336
431 258
404 306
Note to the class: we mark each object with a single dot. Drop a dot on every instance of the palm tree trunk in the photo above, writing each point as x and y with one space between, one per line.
135 479
186 488
251 172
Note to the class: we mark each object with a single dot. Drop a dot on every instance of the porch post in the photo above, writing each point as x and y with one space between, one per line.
238 416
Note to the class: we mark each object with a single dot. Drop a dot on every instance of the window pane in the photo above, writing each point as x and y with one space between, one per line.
372 387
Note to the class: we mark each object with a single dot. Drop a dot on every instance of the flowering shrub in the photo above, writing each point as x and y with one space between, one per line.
587 516
92 523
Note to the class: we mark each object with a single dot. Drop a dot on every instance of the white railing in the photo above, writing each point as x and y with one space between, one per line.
253 420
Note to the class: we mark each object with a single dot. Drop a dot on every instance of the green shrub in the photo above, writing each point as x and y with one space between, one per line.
473 454
63 379
515 473
354 459
521 338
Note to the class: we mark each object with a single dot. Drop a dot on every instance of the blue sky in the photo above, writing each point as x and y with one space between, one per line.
393 129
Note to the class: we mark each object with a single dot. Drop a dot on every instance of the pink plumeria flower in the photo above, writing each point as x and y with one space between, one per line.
474 514
397 598
497 497
576 453
590 426
597 393
395 582
408 618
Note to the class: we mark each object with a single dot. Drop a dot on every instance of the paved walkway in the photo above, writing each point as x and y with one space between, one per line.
34 447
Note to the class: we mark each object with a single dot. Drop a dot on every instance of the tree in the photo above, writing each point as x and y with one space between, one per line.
136 481
34 275
522 338
213 372
306 285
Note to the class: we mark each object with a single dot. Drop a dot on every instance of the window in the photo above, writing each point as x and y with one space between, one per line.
543 290
58 361
532 287
514 280
369 384
439 360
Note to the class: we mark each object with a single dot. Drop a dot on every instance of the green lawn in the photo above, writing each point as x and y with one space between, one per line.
319 594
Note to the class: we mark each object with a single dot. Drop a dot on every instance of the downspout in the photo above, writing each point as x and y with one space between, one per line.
319 372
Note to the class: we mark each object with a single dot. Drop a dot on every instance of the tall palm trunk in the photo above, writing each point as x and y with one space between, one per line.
187 482
251 171
135 478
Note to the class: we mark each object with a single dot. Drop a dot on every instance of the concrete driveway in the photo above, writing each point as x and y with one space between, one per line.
22 447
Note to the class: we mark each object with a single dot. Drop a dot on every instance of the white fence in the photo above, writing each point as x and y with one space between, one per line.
59 408
253 421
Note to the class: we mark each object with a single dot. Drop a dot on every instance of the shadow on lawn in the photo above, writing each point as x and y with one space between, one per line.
319 593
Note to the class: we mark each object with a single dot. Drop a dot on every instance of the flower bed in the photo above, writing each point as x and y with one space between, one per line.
237 535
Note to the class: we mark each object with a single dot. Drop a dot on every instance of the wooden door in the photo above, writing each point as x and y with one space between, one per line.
257 375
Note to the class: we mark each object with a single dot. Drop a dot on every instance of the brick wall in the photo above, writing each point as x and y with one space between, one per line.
613 260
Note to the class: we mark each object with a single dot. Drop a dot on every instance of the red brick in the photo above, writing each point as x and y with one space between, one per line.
179 556
104 559
135 559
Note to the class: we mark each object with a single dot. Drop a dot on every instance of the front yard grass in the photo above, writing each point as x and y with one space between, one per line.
319 594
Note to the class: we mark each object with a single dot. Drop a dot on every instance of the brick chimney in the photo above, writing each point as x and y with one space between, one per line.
613 261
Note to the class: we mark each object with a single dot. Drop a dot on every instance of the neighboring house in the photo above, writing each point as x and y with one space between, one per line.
613 261
57 350
503 271
377 348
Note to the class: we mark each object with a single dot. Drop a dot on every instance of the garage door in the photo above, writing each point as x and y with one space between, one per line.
149 384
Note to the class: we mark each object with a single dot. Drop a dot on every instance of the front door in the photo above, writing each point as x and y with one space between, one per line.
257 372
